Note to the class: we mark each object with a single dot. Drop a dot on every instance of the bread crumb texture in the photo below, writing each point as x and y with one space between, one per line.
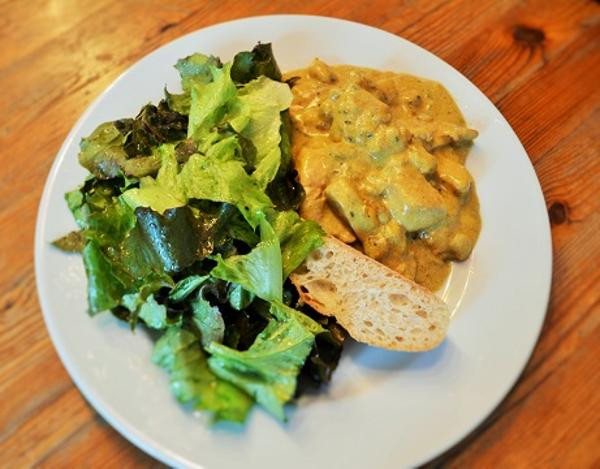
373 303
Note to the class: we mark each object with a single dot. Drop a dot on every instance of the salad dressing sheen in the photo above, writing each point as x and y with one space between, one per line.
381 157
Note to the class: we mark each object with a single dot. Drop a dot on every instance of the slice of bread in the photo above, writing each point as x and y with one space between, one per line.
373 303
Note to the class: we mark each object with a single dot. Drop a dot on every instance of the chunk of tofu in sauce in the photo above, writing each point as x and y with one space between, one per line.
381 157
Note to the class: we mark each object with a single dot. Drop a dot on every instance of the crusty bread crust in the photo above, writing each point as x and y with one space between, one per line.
373 303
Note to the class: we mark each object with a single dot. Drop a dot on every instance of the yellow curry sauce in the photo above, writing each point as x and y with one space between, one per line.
381 157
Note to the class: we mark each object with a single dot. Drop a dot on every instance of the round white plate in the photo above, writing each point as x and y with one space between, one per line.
383 409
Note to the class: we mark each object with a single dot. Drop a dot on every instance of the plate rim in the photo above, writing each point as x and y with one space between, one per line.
104 408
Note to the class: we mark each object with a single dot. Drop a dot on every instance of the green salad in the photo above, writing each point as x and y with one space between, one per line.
188 226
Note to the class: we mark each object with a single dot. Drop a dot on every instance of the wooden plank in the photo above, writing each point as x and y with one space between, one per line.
54 422
81 448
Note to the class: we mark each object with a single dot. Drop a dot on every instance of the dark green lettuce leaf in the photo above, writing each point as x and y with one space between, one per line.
153 126
286 143
178 237
250 65
185 149
285 190
103 155
179 352
325 354
115 263
118 256
126 147
239 229
107 219
242 327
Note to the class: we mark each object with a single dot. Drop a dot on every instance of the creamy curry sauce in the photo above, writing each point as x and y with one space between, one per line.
381 157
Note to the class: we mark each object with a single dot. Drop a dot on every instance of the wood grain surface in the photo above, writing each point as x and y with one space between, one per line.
538 61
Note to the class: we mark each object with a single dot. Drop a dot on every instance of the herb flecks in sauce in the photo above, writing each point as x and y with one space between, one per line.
381 156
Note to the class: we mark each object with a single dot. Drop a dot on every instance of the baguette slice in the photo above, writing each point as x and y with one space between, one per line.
373 303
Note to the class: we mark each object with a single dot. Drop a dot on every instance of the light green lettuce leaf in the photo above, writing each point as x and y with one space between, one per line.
297 237
218 176
210 102
259 271
106 285
268 370
283 313
225 149
161 193
238 297
153 314
185 287
196 69
224 181
257 118
208 320
179 352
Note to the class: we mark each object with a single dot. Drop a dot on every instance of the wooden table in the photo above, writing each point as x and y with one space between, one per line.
538 61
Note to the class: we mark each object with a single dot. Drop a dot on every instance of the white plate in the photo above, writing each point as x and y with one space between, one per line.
383 409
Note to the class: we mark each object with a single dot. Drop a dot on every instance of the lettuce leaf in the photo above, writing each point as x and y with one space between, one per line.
196 69
125 147
99 213
154 125
268 370
105 285
218 176
239 298
179 352
160 193
186 286
102 152
208 320
71 242
210 102
178 238
325 354
257 118
249 65
153 313
116 262
297 237
259 271
224 181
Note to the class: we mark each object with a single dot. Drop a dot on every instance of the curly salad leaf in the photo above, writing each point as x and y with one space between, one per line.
188 226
